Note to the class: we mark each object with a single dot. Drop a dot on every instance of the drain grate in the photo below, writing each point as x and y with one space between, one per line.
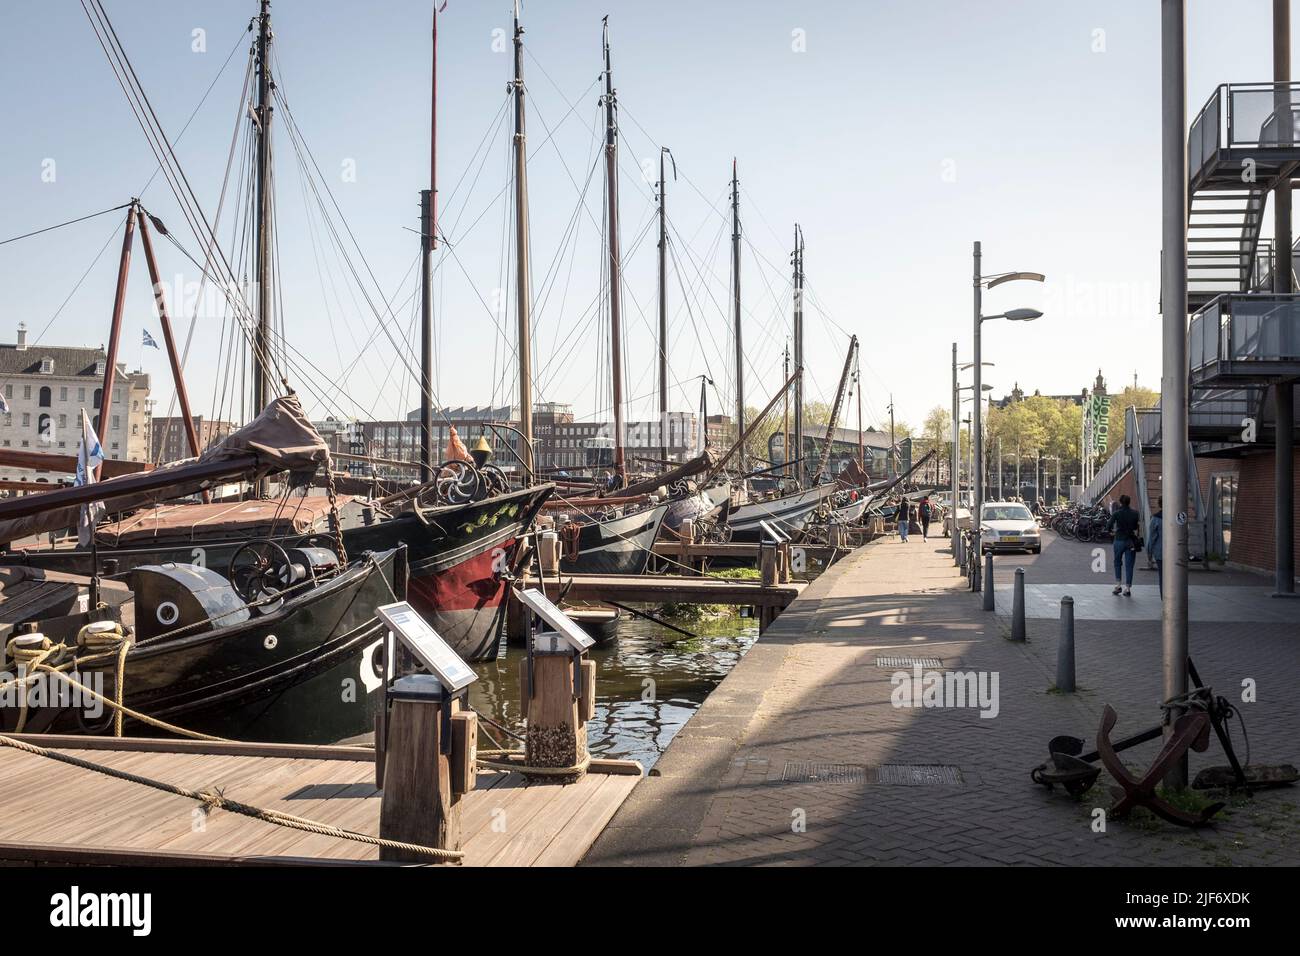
918 775
907 663
824 773
885 775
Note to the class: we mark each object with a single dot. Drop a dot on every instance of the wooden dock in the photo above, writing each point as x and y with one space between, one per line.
55 813
667 589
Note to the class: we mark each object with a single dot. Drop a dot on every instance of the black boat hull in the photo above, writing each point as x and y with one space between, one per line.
308 672
456 556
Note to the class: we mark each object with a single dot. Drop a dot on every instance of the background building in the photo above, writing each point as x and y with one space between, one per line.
45 388
169 441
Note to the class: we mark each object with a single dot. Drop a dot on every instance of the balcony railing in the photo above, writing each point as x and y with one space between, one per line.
1244 116
1245 338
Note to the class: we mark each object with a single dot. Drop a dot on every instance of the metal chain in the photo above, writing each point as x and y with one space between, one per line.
334 512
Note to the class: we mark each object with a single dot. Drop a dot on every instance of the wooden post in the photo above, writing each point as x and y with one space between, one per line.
419 804
767 564
549 552
784 572
516 619
687 535
835 535
556 736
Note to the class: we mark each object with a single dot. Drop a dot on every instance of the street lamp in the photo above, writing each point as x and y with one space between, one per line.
979 283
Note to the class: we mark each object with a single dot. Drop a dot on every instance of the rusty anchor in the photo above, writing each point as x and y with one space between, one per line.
1190 731
1077 771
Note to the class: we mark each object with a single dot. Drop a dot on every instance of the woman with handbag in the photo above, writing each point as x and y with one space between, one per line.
1124 522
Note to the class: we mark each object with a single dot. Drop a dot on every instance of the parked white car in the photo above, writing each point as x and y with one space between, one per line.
1009 526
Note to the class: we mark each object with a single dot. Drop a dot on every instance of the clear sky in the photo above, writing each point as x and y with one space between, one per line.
896 132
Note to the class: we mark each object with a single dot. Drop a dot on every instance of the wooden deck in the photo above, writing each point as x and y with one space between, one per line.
666 588
51 812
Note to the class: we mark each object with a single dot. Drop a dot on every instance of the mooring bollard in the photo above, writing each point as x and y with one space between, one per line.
784 573
988 582
548 552
1018 607
1065 649
558 686
686 534
767 564
427 752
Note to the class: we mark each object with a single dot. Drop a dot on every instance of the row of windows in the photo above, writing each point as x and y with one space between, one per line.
45 397
45 423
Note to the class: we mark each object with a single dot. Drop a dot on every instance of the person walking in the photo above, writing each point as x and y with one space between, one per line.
923 514
904 516
1155 532
1124 523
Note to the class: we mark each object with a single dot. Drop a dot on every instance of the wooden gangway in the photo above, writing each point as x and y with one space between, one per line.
51 812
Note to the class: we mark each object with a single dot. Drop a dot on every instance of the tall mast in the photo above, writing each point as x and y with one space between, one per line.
798 349
857 384
262 334
523 288
615 267
735 283
428 242
785 414
663 314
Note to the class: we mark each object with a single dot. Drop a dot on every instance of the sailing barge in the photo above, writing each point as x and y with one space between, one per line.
282 647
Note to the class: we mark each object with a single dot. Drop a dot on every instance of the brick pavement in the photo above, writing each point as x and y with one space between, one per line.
810 692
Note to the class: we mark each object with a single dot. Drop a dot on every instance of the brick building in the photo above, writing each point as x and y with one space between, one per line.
170 442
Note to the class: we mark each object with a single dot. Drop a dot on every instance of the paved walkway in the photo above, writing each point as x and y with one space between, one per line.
799 757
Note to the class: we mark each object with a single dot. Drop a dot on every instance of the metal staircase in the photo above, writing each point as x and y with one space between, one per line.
1223 229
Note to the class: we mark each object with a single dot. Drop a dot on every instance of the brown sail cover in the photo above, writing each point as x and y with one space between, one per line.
281 438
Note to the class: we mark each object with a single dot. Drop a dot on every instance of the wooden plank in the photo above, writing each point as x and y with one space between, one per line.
166 745
529 801
529 843
268 783
575 839
656 589
50 854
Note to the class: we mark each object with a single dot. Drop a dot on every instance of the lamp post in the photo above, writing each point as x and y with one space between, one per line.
980 282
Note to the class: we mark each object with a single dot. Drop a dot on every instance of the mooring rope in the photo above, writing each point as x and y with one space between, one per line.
212 798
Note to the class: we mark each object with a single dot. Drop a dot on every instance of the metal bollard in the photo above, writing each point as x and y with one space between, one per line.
1018 608
988 582
1065 649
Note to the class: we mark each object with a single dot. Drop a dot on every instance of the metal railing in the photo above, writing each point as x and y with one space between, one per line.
1244 116
1148 427
1243 329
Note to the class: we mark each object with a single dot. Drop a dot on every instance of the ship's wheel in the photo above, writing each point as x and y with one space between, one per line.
259 571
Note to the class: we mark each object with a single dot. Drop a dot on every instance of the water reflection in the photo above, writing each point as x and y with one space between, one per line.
649 681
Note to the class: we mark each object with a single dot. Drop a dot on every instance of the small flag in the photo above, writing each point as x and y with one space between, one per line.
89 457
4 406
149 342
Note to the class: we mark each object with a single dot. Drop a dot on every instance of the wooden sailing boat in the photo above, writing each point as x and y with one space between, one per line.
460 552
258 651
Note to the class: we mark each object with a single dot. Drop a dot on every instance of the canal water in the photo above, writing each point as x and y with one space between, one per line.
649 681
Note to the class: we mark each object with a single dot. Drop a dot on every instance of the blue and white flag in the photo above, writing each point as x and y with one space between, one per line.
4 406
149 342
89 457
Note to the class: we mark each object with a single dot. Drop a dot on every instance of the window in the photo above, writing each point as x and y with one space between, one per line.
27 420
117 423
9 391
135 429
81 395
63 421
63 394
99 397
117 396
47 366
27 391
46 397
99 367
